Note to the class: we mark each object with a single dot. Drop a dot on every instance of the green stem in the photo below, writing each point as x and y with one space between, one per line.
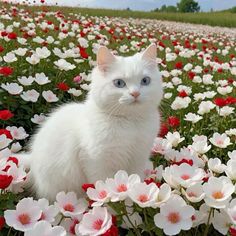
146 222
9 232
208 222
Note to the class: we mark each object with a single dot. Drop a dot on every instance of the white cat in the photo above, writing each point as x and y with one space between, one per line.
113 129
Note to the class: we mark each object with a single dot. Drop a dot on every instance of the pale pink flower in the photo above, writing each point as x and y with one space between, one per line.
95 222
17 133
25 216
220 140
49 96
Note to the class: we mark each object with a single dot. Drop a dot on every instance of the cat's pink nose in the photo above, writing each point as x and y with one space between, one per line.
135 94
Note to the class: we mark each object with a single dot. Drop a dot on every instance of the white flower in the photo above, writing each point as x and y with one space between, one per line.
4 141
42 52
41 79
69 205
205 107
194 193
30 95
12 88
175 215
25 216
20 51
194 118
75 92
17 133
120 185
224 90
174 138
144 195
221 221
16 147
38 119
183 175
225 111
215 165
231 169
49 212
200 146
231 132
218 191
180 103
231 210
232 155
62 64
45 228
26 81
49 96
161 146
163 195
10 57
100 194
95 222
220 140
34 59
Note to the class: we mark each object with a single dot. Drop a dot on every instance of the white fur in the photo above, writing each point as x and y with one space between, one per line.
82 143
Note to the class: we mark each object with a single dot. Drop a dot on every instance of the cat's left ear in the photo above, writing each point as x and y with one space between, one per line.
104 58
150 54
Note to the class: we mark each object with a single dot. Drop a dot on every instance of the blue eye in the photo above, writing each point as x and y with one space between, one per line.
145 81
119 83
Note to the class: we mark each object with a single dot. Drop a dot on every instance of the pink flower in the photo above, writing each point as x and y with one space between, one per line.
77 79
95 222
25 216
69 205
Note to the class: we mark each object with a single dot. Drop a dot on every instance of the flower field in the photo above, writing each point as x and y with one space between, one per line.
45 60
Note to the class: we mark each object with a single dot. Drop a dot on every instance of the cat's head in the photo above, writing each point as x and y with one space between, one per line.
126 85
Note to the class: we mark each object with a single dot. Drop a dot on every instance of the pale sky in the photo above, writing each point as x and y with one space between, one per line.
145 5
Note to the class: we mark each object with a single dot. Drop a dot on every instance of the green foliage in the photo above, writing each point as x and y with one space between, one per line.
188 6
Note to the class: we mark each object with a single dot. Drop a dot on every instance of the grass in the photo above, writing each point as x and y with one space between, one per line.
224 19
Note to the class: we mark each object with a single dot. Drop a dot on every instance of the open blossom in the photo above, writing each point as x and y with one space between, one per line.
180 103
41 79
218 191
62 64
45 228
17 133
42 52
26 81
194 193
161 145
174 138
38 119
25 216
175 215
220 140
205 107
96 222
183 175
120 185
99 194
69 205
12 88
49 96
144 195
230 169
4 141
194 118
30 95
49 212
232 155
216 166
221 221
33 59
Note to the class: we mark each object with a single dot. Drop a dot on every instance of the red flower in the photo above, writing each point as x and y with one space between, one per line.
86 186
178 163
83 53
191 74
1 48
161 44
5 115
6 70
2 222
163 130
12 35
13 159
151 180
232 231
220 102
6 132
63 86
5 181
182 94
230 100
113 231
179 65
173 121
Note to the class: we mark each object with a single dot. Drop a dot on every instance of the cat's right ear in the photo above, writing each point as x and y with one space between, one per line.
104 58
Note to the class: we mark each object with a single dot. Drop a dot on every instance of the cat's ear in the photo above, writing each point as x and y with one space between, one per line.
104 58
150 54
